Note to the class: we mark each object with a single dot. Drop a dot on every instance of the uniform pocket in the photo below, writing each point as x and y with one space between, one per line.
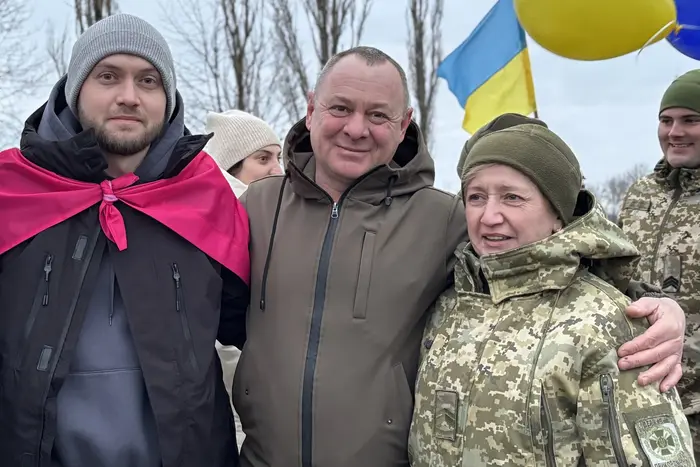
364 276
181 310
541 425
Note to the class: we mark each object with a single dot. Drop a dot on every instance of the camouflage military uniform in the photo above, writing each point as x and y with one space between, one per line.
520 368
661 214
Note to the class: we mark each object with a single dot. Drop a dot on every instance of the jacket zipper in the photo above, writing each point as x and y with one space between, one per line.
315 337
47 276
66 327
316 317
674 200
41 299
548 434
606 386
180 308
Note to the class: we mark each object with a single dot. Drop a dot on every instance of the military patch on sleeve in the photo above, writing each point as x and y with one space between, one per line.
638 205
446 403
660 439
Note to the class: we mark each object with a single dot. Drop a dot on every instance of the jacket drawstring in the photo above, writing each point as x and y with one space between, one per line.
268 259
388 199
112 294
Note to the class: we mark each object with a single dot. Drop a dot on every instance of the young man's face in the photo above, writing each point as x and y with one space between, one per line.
124 100
679 136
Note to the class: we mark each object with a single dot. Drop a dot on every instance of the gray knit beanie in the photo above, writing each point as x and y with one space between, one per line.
120 34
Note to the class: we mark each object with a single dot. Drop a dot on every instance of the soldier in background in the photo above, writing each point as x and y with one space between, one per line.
661 214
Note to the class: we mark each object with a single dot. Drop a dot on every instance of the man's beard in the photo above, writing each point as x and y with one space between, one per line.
125 146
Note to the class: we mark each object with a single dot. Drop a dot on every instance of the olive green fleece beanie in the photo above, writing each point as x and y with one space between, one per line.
683 92
540 155
499 123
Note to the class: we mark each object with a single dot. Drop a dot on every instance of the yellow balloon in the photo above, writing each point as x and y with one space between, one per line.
596 29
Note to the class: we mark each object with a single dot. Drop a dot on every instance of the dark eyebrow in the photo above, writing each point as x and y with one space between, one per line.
661 117
110 67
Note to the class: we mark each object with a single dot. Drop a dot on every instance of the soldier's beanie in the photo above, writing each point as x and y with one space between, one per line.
683 92
499 123
539 154
120 34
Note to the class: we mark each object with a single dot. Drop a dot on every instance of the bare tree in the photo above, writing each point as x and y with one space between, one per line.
88 12
611 193
20 75
225 56
58 49
424 18
85 14
330 23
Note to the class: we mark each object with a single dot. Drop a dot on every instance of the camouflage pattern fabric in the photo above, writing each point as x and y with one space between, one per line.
519 367
694 423
661 214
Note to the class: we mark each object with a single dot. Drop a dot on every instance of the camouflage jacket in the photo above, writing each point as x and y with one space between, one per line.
520 368
661 214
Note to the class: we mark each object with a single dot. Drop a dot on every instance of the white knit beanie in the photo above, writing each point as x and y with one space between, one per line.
237 135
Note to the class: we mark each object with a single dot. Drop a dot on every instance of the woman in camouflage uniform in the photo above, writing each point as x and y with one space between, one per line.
519 367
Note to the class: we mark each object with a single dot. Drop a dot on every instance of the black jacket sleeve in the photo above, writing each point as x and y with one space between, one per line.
235 298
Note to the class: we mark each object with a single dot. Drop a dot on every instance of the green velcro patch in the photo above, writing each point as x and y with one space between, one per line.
660 439
446 403
638 205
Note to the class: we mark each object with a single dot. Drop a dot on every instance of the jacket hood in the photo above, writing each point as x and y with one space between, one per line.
54 139
672 178
411 169
591 241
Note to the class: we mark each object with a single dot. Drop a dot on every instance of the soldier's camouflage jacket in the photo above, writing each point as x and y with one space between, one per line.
519 368
661 214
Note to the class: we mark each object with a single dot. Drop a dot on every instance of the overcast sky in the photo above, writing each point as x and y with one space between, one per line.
607 111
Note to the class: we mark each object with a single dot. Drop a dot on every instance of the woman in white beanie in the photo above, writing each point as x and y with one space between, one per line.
245 147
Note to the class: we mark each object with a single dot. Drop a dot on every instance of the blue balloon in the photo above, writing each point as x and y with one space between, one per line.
687 40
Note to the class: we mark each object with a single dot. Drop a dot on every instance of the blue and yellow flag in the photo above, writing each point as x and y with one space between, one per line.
490 71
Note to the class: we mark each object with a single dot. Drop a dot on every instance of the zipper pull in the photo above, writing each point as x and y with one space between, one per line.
176 278
605 388
334 211
47 274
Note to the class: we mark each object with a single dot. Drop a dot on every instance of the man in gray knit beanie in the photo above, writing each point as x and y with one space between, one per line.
121 83
120 34
142 249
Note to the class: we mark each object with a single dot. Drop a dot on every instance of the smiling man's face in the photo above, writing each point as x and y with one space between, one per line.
357 118
679 136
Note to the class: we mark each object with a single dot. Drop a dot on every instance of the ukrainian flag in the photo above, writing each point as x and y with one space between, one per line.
490 71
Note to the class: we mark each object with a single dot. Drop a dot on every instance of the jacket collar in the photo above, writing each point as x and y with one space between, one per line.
591 241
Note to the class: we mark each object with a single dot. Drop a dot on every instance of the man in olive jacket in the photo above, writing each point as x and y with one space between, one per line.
349 250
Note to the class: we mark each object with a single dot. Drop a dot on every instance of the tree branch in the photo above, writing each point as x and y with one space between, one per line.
329 22
225 59
425 54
